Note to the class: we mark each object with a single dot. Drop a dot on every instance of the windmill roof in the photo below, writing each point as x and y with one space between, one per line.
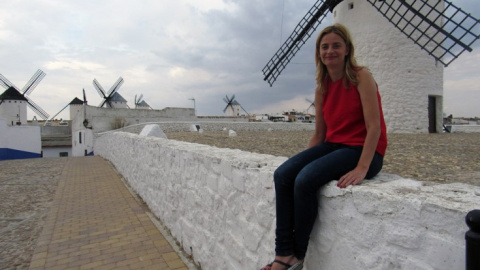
143 104
235 102
12 94
118 98
76 101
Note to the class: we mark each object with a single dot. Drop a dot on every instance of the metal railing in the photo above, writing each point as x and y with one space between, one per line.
472 238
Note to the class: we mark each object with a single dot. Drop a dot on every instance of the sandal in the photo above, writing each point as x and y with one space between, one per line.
297 266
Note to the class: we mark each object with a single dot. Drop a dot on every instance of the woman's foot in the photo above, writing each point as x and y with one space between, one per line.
283 262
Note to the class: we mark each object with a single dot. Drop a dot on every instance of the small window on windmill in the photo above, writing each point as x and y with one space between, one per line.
350 6
334 13
80 137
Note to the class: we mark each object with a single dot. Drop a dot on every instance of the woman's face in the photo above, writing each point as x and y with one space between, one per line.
333 50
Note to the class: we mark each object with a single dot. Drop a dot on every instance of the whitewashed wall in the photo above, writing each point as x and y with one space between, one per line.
49 152
465 128
219 205
19 141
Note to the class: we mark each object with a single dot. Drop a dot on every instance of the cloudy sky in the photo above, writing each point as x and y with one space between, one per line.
172 51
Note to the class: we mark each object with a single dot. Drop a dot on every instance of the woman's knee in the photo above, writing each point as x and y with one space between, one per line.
278 176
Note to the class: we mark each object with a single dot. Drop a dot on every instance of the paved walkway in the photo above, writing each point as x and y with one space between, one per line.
95 223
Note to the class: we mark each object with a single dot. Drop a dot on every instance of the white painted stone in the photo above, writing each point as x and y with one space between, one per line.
232 133
193 127
153 131
219 204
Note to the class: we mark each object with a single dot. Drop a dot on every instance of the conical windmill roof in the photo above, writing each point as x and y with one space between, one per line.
117 98
12 94
76 101
143 104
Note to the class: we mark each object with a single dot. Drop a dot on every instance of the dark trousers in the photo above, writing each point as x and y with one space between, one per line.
296 184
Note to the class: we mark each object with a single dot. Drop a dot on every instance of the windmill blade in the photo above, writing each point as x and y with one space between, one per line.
140 98
226 107
37 109
444 31
102 103
53 117
115 87
109 103
84 97
312 104
6 83
243 109
33 82
303 31
99 88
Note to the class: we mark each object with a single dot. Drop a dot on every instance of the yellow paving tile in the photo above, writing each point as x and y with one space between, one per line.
95 223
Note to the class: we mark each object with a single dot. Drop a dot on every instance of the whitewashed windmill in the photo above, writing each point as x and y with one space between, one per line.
141 104
410 77
111 99
14 102
311 106
233 107
76 106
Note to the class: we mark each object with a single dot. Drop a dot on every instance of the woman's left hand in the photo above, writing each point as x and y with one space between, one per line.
353 177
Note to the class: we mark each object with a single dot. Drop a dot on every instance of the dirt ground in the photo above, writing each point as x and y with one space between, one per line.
446 157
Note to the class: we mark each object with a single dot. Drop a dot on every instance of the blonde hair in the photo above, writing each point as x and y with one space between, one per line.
351 66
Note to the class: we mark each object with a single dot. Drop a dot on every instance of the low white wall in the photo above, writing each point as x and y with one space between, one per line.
219 205
18 142
465 128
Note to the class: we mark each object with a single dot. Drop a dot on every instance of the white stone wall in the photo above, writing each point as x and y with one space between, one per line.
406 74
55 151
465 128
219 205
20 138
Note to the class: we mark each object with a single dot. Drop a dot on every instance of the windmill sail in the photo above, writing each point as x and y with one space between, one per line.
438 27
5 83
27 89
33 82
107 97
43 114
303 31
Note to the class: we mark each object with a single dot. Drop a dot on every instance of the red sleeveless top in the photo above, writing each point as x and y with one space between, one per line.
343 115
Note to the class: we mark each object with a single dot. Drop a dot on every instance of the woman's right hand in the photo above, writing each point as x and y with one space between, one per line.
315 140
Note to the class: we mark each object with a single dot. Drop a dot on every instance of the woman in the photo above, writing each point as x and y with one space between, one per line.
348 144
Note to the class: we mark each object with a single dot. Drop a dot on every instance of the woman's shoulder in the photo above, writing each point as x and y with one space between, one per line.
363 73
362 70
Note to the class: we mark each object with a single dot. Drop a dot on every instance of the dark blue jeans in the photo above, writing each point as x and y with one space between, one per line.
296 184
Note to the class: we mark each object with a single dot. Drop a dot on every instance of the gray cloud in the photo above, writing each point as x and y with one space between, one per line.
171 51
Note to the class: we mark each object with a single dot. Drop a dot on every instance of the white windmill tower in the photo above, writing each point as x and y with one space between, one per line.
14 102
385 32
